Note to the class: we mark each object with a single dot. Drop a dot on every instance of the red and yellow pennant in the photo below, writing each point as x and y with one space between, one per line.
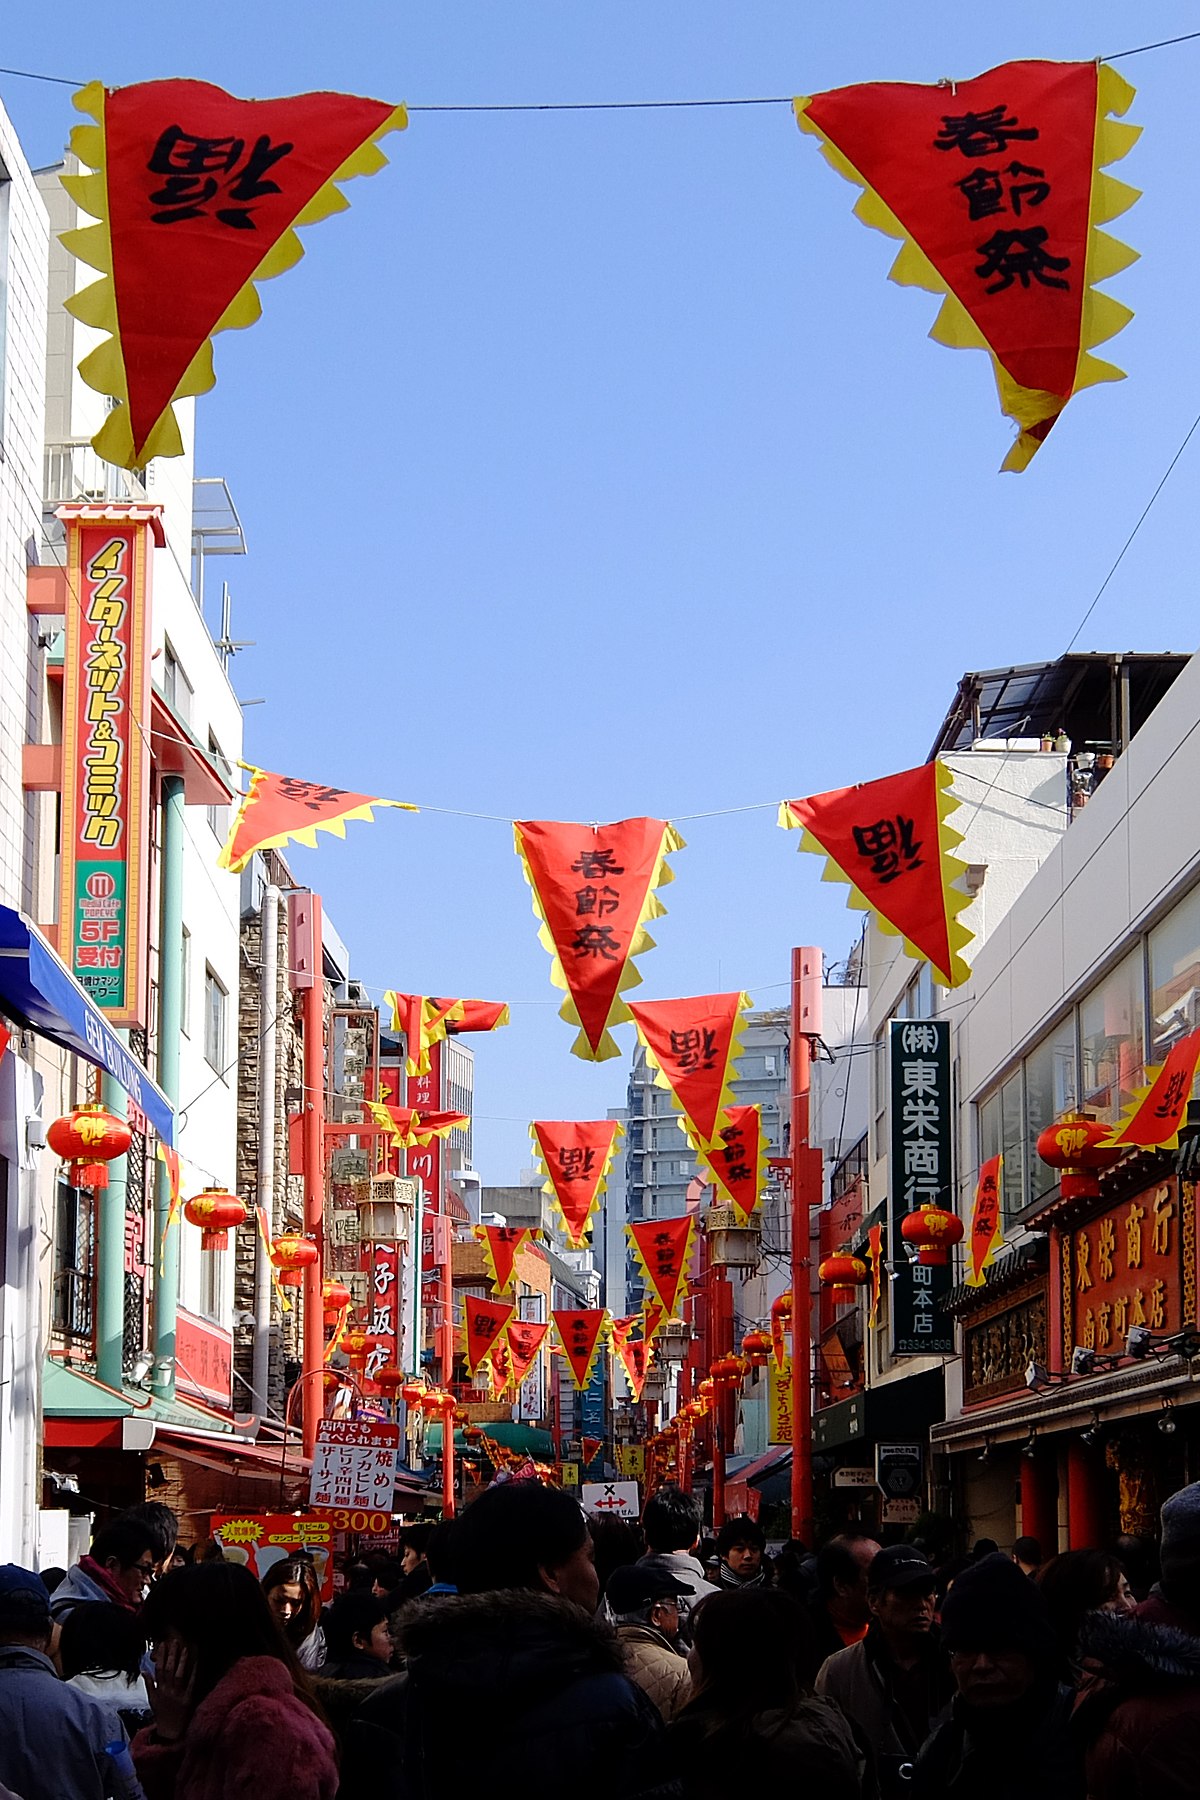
890 840
499 1368
621 1330
281 809
581 1333
738 1159
484 1324
1158 1110
593 891
986 1235
502 1245
439 1124
875 1261
577 1156
634 1357
424 1020
474 1015
694 1045
662 1248
170 1161
655 1317
197 195
399 1122
995 188
524 1338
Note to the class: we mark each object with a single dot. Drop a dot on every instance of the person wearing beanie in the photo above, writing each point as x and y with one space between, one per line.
1008 1733
895 1681
1174 1599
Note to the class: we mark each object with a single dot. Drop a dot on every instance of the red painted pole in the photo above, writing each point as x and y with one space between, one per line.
313 1017
806 1193
448 1463
1086 1528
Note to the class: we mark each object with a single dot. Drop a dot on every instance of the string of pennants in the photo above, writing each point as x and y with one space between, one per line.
995 189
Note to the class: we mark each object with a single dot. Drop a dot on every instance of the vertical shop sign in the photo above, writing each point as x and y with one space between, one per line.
919 1174
382 1264
104 888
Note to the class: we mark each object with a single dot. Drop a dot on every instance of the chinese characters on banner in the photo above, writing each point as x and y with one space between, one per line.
1128 1267
1160 1109
502 1244
104 878
281 809
890 840
484 1325
779 1402
576 1155
986 1234
995 188
593 890
662 1248
204 1357
693 1046
737 1159
197 194
354 1465
919 1174
381 1264
580 1333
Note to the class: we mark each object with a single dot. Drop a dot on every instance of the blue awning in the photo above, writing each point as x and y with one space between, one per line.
39 990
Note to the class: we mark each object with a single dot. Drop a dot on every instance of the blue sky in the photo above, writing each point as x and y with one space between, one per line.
590 465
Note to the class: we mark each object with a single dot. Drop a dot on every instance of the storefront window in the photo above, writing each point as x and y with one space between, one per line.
1050 1091
1112 1039
1175 976
1012 1146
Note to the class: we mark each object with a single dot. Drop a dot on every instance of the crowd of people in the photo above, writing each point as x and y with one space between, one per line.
522 1649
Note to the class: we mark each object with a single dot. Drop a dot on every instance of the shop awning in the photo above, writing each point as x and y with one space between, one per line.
897 1409
508 1432
38 990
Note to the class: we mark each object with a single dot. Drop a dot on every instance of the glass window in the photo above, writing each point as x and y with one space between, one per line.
177 689
879 1072
1051 1089
924 1005
214 1020
212 1282
1012 1145
74 1244
1175 976
989 1128
1112 1040
218 816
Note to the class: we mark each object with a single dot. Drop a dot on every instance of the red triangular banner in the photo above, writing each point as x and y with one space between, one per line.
576 1155
524 1339
635 1360
501 1246
279 809
591 1448
661 1247
737 1159
580 1332
889 839
593 889
484 1322
693 1044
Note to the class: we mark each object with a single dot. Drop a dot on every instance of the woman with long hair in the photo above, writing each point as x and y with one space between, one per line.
1075 1584
234 1718
753 1719
294 1596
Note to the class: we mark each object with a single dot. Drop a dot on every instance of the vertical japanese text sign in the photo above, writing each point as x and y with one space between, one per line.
104 889
919 1174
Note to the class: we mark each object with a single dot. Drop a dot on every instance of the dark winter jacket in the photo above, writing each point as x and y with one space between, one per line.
863 1680
808 1750
1138 1714
250 1739
510 1693
1019 1752
56 1743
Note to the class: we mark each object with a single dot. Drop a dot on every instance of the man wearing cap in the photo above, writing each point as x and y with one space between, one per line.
894 1683
1008 1733
644 1601
55 1742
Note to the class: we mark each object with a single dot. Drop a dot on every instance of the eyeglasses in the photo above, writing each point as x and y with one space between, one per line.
146 1569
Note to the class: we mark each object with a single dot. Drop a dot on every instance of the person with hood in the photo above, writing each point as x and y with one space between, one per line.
753 1724
118 1569
643 1602
1138 1715
100 1650
234 1717
894 1682
1008 1733
55 1742
514 1667
740 1547
671 1523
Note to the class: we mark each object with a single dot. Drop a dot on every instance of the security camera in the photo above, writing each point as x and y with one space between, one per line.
1036 1376
1137 1341
1082 1361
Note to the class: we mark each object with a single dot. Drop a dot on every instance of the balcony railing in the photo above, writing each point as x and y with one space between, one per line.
73 471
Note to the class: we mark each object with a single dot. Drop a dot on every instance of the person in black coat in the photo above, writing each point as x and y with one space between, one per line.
513 1681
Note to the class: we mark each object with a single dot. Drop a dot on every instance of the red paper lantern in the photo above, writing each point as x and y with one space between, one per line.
726 1369
843 1276
292 1254
216 1212
355 1343
707 1389
89 1138
933 1230
388 1378
1076 1145
472 1433
781 1309
756 1348
412 1393
335 1298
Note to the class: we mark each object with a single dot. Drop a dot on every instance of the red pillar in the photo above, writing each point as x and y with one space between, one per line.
1085 1512
1039 1501
313 1391
806 1193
